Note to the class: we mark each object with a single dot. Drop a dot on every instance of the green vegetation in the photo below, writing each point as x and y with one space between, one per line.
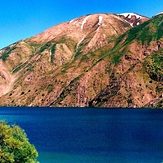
18 67
53 48
14 145
140 33
116 59
78 53
160 105
68 90
153 65
44 47
52 45
7 53
146 32
50 88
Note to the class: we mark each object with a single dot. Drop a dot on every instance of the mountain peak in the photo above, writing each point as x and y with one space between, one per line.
133 18
79 28
130 14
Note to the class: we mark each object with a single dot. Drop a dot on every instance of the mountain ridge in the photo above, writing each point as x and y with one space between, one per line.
97 60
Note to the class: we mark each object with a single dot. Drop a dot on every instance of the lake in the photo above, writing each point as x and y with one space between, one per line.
89 135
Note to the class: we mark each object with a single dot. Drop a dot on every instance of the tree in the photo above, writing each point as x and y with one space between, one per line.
14 145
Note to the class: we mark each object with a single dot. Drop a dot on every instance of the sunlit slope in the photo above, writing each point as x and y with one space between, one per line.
97 60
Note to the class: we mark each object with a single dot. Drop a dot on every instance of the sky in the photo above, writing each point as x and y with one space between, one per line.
21 19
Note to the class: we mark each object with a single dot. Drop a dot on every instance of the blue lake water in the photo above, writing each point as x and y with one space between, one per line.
77 135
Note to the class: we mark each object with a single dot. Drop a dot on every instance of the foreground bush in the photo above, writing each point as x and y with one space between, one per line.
14 145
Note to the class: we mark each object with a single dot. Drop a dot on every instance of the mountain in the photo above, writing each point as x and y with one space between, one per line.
98 60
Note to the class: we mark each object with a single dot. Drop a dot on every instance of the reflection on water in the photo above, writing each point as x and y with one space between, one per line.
89 135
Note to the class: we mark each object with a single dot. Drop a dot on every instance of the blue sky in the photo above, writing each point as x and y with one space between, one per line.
20 19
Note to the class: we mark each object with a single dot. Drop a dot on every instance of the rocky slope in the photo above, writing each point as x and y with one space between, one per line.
133 19
99 60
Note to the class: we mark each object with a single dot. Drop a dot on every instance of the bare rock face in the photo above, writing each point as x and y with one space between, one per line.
98 60
133 19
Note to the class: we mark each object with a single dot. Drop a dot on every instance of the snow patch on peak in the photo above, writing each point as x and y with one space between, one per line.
75 22
129 15
84 21
72 20
100 20
159 13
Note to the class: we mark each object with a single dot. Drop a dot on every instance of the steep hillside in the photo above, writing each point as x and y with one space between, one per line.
133 69
98 60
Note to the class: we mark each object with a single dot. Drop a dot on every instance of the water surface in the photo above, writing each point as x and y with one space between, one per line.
77 135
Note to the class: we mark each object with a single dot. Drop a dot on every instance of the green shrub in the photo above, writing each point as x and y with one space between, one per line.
14 145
